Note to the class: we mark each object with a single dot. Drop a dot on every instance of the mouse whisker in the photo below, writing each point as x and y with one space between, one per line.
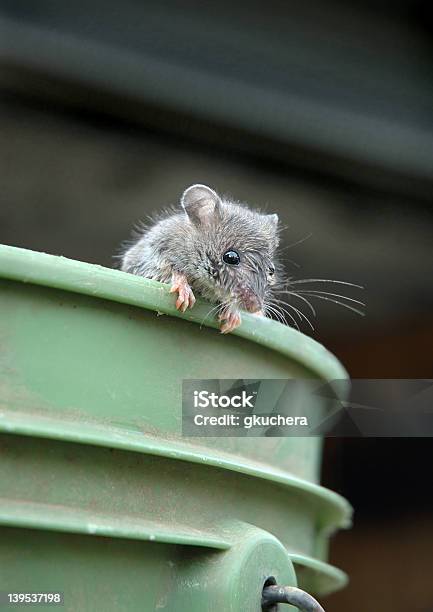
300 241
277 311
304 299
273 311
300 314
269 309
323 280
211 311
328 299
291 261
336 295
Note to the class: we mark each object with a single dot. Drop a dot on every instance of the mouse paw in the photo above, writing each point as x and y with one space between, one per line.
230 320
186 297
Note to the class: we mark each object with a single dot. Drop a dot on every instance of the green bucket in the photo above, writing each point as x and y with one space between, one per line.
101 498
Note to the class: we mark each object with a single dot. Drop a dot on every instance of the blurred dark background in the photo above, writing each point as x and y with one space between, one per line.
323 112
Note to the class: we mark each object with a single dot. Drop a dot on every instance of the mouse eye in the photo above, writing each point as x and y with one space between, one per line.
271 270
232 258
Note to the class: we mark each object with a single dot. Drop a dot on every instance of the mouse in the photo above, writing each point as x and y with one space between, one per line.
210 246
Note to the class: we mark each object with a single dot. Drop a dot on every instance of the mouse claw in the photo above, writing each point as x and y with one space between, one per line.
186 297
230 321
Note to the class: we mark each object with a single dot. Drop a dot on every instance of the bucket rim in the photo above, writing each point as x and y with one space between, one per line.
97 281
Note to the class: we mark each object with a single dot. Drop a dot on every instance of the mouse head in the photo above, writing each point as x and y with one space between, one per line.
233 249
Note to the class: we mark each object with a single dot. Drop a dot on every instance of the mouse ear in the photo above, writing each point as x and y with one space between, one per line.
201 204
273 220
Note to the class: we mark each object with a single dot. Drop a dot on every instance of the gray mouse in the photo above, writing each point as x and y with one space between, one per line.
213 247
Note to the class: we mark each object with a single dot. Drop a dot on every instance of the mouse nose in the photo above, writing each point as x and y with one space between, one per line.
251 302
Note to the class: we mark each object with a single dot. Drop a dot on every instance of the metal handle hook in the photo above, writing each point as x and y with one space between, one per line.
275 594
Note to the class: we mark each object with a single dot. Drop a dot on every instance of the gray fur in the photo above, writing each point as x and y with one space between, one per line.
193 241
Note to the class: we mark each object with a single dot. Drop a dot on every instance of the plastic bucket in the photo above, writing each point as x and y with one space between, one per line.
101 497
